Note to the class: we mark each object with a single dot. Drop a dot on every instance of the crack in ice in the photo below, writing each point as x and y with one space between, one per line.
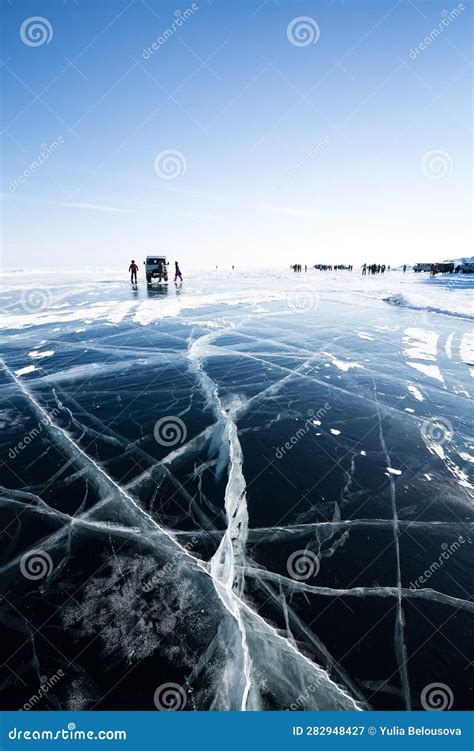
332 691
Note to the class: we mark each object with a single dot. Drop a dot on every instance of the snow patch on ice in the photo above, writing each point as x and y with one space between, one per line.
421 344
35 355
448 346
414 391
342 364
27 369
432 371
466 348
150 311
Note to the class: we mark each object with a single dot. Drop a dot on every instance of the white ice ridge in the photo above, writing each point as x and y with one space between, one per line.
231 550
303 530
423 594
106 528
399 636
284 659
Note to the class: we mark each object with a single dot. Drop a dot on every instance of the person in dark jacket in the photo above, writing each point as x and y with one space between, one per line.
133 268
177 272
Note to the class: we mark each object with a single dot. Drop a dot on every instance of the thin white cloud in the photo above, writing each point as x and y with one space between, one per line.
97 207
288 211
199 215
190 191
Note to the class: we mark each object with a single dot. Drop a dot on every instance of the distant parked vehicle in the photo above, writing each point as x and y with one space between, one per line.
422 267
467 268
440 268
156 268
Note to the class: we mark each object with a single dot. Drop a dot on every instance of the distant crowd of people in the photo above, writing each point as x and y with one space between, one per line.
331 267
374 268
297 267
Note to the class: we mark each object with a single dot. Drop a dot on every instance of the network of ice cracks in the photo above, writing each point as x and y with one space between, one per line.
248 663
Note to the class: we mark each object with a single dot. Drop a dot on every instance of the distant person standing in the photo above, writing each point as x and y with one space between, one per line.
177 272
404 267
133 268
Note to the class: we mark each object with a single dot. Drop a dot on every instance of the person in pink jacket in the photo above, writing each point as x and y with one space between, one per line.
177 272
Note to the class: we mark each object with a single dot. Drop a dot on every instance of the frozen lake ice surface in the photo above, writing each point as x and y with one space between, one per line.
251 491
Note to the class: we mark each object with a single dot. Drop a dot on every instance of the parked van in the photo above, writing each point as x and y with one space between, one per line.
422 267
156 267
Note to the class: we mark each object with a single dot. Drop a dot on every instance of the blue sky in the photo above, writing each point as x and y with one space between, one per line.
352 144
